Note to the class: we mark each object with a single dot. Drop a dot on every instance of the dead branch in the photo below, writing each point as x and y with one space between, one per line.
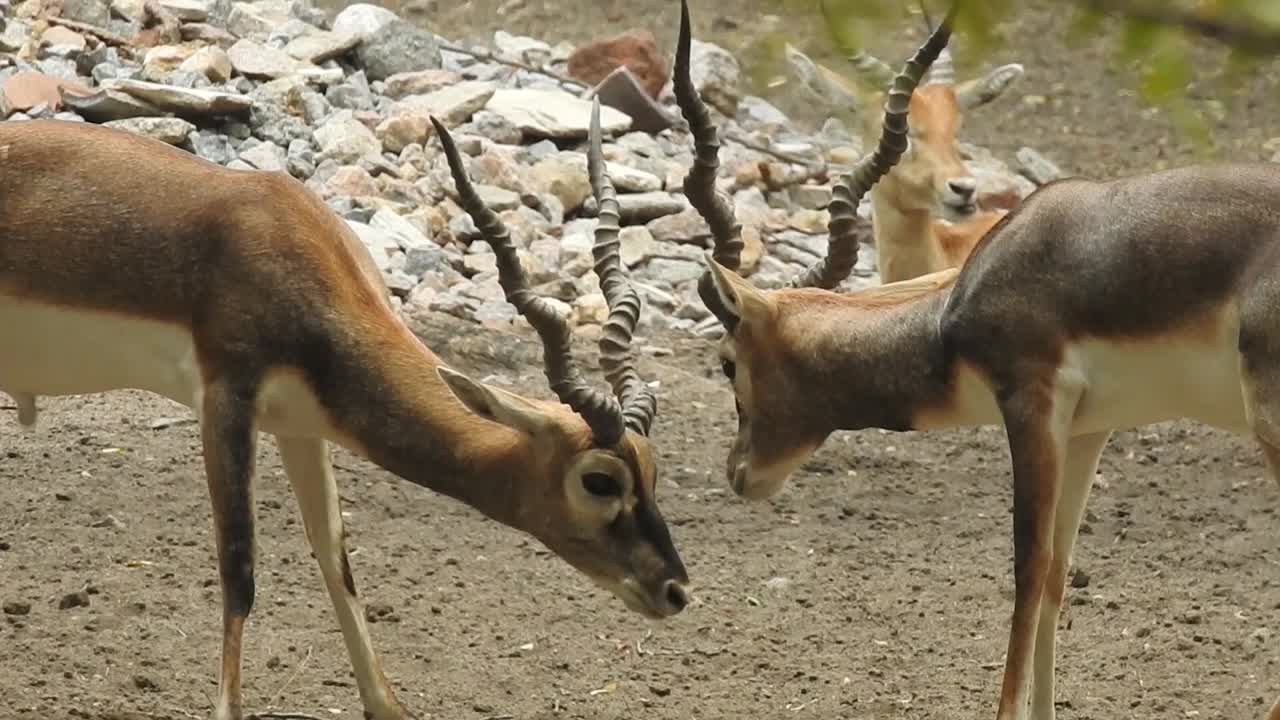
753 145
491 56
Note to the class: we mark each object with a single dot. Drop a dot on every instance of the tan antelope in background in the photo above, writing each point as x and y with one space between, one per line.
924 212
1092 306
243 296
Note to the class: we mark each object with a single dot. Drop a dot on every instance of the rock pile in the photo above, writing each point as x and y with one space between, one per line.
342 103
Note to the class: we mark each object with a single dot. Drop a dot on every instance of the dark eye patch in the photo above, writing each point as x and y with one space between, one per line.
601 484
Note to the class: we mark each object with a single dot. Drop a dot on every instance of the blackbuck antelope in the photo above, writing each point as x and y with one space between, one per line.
1091 306
127 263
925 213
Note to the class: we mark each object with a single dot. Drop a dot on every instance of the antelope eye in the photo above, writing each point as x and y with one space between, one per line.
729 368
601 484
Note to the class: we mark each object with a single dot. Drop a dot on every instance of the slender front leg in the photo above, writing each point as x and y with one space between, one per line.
306 462
27 412
1077 479
1037 417
229 439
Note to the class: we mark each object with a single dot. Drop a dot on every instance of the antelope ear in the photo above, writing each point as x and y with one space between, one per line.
980 91
746 302
498 405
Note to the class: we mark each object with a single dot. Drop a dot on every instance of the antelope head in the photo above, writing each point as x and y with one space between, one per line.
772 349
591 498
930 177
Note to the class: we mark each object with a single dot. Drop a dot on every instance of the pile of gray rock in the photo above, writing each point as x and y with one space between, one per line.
342 103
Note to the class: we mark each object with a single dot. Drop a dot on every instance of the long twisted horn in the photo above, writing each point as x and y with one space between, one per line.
602 412
700 182
874 71
943 71
842 247
639 405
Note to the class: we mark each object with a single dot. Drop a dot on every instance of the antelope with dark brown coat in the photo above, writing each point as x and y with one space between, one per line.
127 263
1092 306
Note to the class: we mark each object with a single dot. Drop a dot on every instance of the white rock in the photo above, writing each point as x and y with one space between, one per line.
628 179
590 308
265 156
401 230
362 19
183 100
317 46
563 177
253 59
526 49
498 199
636 245
211 62
256 19
346 140
553 113
380 243
165 58
716 74
756 114
106 105
452 105
187 10
400 131
165 129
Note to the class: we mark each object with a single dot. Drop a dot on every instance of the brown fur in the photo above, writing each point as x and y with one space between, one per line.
268 281
1090 306
1172 257
1203 257
910 238
957 240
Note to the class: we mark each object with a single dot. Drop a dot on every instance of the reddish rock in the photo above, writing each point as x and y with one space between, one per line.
28 89
635 49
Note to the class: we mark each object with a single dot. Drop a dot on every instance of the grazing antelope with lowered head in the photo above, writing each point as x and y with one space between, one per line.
243 296
1092 306
925 213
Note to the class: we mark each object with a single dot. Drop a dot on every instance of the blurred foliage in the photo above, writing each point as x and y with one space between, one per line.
1154 39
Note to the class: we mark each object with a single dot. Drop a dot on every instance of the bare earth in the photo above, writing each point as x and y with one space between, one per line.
894 550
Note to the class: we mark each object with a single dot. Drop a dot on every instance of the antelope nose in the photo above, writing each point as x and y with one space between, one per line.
675 596
965 187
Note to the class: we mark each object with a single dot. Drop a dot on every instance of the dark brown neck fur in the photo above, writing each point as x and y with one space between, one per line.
876 356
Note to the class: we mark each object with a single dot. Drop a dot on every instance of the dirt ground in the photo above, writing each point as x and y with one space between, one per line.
893 549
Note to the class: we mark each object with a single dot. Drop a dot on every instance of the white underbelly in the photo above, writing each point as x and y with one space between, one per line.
50 350
53 350
1129 384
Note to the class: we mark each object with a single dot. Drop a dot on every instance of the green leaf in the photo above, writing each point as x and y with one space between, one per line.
849 22
1086 24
